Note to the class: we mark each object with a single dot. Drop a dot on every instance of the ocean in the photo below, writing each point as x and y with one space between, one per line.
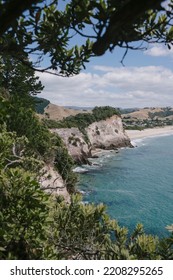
136 184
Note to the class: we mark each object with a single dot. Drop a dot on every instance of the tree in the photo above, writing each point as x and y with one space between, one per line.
87 232
24 208
34 225
48 30
18 85
19 80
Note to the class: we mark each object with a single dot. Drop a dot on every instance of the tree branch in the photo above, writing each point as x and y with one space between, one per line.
125 16
11 11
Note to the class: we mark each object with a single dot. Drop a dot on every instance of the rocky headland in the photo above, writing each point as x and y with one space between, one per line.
84 135
105 134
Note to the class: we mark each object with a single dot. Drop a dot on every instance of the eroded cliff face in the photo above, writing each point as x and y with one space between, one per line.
51 182
76 144
106 134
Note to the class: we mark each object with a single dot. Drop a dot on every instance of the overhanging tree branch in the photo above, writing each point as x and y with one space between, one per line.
12 10
51 34
125 16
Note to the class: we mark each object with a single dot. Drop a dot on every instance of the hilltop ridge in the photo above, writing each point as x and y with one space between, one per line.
151 112
55 112
148 118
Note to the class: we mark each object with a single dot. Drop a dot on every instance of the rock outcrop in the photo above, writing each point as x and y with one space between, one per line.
52 182
77 146
106 134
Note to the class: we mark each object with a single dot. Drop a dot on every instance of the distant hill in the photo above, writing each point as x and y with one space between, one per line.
150 113
47 110
55 112
128 110
148 118
79 108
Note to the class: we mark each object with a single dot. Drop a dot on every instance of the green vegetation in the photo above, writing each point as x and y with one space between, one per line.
133 127
82 120
64 164
21 119
98 237
41 104
128 110
24 216
33 224
42 29
19 80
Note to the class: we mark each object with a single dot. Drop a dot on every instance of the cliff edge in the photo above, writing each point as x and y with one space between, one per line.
105 134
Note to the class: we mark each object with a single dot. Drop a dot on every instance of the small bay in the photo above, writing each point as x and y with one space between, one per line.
135 184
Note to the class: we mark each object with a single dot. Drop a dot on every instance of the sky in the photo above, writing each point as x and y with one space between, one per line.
145 80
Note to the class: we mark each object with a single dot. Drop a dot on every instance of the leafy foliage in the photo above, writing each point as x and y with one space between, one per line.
35 138
87 232
23 121
34 225
23 216
14 152
44 28
24 207
18 84
64 163
19 80
101 113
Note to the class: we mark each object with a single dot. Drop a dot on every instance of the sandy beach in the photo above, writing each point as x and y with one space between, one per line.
149 132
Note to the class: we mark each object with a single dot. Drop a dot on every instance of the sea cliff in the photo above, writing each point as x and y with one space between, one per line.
52 182
105 134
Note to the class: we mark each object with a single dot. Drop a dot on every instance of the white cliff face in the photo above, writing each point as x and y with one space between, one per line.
52 182
74 140
108 134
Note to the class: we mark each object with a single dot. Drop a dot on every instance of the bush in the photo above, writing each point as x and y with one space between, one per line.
87 232
64 164
24 212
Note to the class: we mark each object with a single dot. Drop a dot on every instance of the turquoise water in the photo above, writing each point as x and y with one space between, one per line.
135 184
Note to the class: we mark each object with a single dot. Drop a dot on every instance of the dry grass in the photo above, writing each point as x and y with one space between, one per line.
55 112
143 113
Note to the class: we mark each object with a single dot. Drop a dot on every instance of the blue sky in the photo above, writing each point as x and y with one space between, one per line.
145 80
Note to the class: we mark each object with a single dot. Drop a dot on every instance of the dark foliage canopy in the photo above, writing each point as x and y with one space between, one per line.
50 29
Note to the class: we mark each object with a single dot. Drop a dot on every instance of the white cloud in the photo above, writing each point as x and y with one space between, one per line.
158 51
119 87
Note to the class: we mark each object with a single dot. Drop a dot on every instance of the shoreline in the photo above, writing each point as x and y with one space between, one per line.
149 132
137 135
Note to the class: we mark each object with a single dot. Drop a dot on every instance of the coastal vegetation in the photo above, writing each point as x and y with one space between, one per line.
36 225
33 223
46 30
82 120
